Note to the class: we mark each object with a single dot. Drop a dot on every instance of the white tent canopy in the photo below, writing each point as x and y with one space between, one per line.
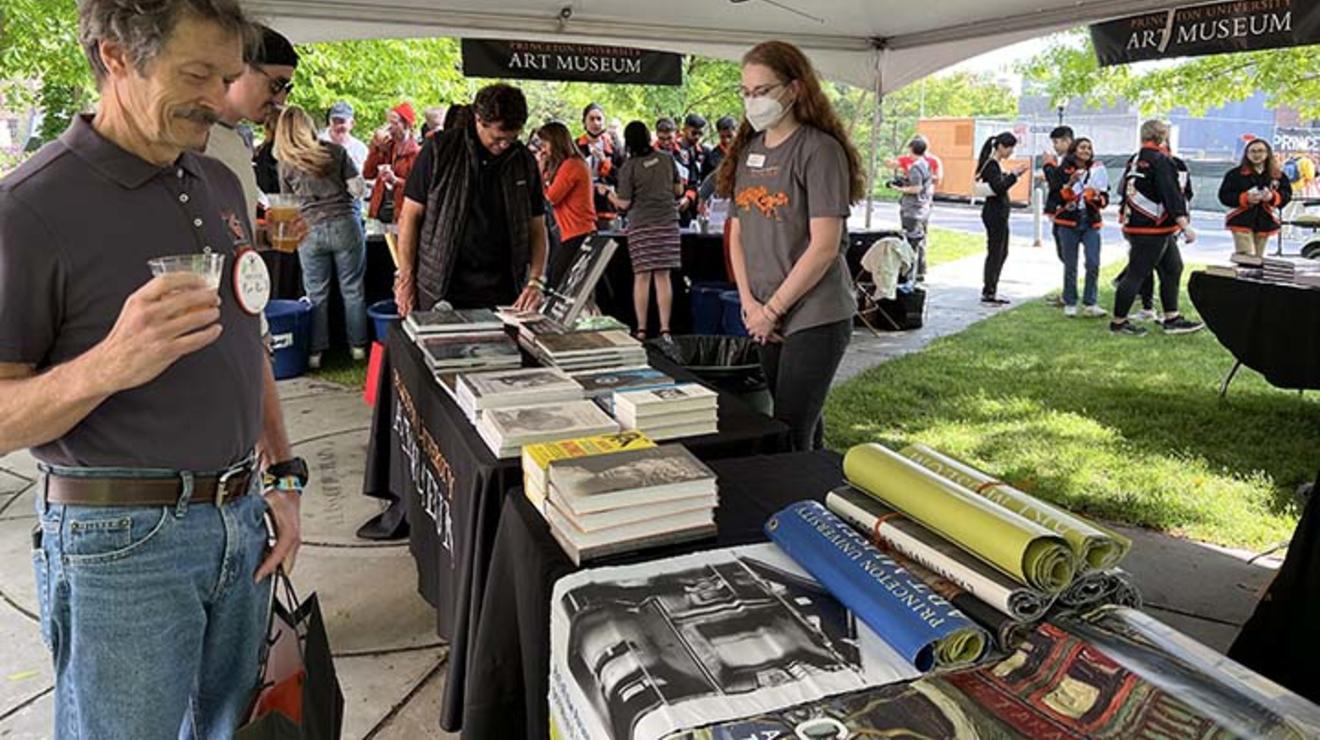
877 44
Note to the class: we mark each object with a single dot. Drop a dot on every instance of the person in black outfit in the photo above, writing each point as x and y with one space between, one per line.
994 214
1153 211
1255 192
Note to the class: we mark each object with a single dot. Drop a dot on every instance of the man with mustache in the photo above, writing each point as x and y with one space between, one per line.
256 96
148 402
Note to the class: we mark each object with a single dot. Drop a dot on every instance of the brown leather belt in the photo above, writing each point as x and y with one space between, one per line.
207 489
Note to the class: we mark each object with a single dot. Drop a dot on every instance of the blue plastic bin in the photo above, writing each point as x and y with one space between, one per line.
382 314
291 336
707 308
732 324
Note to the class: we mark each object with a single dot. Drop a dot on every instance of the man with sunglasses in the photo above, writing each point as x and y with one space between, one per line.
257 96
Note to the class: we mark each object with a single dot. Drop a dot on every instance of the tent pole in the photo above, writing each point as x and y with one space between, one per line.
876 120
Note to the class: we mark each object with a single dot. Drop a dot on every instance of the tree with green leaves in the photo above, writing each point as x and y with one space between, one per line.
1068 69
41 62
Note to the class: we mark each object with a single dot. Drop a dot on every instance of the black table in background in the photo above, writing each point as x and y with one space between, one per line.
452 549
702 260
509 666
378 282
1271 328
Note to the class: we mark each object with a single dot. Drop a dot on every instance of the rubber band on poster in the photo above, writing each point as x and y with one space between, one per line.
988 485
879 522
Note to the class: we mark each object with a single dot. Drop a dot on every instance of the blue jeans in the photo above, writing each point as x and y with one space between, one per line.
151 614
1070 237
335 246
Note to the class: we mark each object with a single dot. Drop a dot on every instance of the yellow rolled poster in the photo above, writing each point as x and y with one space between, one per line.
1020 548
1095 547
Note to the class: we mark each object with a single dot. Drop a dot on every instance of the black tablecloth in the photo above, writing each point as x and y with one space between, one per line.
1281 641
424 451
1272 329
509 665
377 282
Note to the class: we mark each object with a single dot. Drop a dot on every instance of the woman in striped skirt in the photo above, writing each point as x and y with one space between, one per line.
649 187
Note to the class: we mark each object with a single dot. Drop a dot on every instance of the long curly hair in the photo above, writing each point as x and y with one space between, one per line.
811 108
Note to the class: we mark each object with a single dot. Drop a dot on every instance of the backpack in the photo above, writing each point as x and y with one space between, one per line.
1292 170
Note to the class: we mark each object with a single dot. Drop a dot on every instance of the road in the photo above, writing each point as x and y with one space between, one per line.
1213 242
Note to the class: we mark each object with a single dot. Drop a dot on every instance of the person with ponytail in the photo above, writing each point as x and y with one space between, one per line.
792 175
323 175
994 213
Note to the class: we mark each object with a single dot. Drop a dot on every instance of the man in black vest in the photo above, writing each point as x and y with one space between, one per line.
472 231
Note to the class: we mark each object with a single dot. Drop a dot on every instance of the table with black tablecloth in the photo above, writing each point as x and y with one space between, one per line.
702 262
1271 328
509 664
426 455
377 282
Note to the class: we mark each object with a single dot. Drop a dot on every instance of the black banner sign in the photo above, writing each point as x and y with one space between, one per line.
1217 28
534 60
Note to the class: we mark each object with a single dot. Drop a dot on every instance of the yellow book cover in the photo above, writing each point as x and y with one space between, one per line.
541 455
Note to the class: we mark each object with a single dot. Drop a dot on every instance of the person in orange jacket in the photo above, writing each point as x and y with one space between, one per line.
393 151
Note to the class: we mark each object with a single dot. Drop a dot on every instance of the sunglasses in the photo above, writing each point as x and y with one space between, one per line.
278 85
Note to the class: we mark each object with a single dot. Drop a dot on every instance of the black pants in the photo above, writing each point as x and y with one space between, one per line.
562 259
1170 267
1146 256
996 242
799 371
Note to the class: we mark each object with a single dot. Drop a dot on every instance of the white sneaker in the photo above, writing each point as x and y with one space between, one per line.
1145 314
314 361
1070 311
358 353
1094 312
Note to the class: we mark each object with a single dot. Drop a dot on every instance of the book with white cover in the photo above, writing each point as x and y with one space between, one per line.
527 386
682 418
581 547
592 484
682 431
507 430
642 507
639 405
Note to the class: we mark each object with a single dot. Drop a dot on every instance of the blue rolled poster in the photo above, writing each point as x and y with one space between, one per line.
917 622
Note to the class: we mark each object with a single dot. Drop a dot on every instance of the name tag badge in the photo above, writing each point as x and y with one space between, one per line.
251 281
756 161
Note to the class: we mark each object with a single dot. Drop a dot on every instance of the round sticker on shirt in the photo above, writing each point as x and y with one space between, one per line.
251 281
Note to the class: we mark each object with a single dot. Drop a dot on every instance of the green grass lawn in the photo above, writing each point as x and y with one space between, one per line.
947 245
1127 429
338 367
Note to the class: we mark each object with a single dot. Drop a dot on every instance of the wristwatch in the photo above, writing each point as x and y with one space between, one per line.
290 475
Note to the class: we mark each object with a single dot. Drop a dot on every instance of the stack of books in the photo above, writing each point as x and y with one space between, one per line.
1289 269
1234 271
478 392
506 431
626 501
1247 260
470 352
588 350
684 410
536 459
450 321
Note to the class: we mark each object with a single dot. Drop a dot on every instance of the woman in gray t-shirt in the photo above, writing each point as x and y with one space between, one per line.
324 177
793 176
649 187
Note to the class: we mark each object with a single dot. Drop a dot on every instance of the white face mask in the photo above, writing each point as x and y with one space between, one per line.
763 112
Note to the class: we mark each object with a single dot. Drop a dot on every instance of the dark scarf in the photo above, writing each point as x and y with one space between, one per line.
455 160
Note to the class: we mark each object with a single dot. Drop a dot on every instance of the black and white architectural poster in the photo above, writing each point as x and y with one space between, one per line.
642 651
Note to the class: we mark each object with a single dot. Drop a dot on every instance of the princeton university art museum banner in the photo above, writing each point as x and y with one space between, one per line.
1199 30
533 60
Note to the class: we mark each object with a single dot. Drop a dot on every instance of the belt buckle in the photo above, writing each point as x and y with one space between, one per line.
221 487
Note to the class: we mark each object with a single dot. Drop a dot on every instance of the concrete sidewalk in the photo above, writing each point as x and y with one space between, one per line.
391 664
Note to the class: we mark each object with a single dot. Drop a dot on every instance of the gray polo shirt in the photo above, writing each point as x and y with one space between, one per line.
776 194
649 183
78 222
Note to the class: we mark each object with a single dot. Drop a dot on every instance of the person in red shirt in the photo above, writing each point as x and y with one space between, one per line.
567 178
393 152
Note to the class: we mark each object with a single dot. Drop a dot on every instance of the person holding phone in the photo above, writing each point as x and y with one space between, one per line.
1255 192
1083 196
793 175
996 151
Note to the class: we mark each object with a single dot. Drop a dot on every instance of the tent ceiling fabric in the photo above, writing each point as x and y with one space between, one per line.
844 43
